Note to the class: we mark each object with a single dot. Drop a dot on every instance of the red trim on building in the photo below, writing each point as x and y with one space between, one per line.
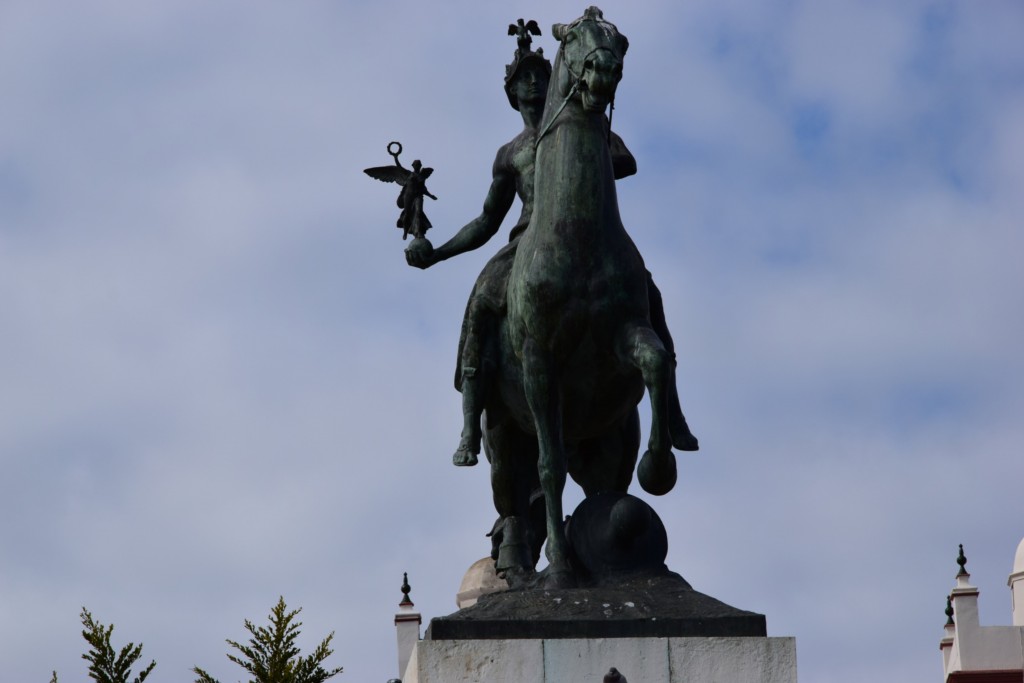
1004 676
399 618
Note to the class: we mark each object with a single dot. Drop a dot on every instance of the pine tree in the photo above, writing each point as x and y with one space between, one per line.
105 664
272 656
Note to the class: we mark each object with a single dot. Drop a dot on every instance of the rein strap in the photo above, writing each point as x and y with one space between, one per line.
572 91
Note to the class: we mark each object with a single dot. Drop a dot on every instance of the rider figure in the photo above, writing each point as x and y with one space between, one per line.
526 84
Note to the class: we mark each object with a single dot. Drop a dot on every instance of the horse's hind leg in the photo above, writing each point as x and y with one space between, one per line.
544 400
657 470
512 456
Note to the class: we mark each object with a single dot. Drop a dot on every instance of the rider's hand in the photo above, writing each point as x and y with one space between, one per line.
420 253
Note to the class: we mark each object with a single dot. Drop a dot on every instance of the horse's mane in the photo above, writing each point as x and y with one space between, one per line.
557 88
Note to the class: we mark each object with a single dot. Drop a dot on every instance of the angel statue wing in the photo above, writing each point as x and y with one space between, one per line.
389 174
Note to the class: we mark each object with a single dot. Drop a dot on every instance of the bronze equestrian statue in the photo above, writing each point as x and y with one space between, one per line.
564 329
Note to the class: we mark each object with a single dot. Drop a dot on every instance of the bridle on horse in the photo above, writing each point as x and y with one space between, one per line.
577 81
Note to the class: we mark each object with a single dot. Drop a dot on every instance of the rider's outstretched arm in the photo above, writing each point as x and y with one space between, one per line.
482 228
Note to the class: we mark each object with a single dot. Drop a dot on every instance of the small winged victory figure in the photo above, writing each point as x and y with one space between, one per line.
414 187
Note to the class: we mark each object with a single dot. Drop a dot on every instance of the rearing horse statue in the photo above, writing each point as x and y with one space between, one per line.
578 319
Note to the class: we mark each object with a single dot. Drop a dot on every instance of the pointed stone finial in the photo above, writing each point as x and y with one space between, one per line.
962 561
949 611
406 600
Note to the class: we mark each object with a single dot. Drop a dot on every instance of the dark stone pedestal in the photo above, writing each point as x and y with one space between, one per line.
643 607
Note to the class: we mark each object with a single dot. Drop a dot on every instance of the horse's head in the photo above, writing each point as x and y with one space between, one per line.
591 52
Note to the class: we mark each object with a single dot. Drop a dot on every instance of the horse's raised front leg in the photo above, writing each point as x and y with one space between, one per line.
544 399
682 438
643 348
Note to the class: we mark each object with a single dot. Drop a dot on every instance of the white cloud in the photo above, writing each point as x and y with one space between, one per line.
210 337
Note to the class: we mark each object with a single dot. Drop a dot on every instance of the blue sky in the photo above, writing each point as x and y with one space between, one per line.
223 384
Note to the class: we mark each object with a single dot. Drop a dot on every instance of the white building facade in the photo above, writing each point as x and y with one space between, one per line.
972 653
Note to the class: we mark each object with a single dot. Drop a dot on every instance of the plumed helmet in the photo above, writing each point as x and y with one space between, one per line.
524 55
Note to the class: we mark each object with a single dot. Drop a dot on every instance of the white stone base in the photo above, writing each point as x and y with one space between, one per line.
640 660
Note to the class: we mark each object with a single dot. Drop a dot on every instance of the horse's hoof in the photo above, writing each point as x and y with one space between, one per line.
512 551
657 474
682 438
685 442
464 457
559 580
518 578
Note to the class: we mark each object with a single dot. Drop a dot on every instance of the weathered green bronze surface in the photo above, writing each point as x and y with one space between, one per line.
564 328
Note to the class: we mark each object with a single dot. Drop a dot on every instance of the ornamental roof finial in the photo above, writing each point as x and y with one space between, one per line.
406 600
962 561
